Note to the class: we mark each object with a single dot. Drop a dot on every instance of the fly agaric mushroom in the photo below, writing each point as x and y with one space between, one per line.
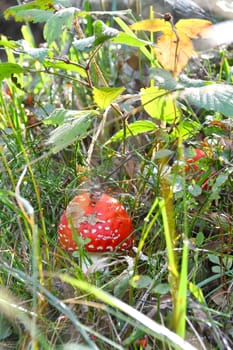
101 220
193 169
198 154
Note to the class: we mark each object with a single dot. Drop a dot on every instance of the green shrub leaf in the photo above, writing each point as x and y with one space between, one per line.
159 104
60 115
34 15
213 97
103 32
133 129
35 11
163 78
8 43
73 125
194 190
7 69
54 26
128 31
103 97
84 44
130 40
68 66
186 129
37 53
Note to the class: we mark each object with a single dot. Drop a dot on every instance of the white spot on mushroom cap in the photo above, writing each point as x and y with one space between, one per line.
105 238
100 248
110 248
90 246
113 200
93 231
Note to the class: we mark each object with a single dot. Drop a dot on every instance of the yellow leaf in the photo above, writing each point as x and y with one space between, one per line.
173 55
193 28
103 97
174 48
159 104
152 25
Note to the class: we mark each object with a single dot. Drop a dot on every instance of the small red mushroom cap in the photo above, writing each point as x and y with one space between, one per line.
191 161
193 170
104 223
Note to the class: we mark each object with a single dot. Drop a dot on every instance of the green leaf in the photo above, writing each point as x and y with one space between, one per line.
127 39
196 292
214 97
186 129
214 259
34 15
37 53
30 11
163 78
128 31
54 26
163 153
8 43
159 104
68 66
74 127
134 129
140 281
187 82
227 261
7 69
161 288
60 115
194 190
220 180
216 269
84 44
103 32
103 97
200 238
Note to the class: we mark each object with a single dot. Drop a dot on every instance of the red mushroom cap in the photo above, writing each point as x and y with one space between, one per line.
104 222
194 171
198 155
